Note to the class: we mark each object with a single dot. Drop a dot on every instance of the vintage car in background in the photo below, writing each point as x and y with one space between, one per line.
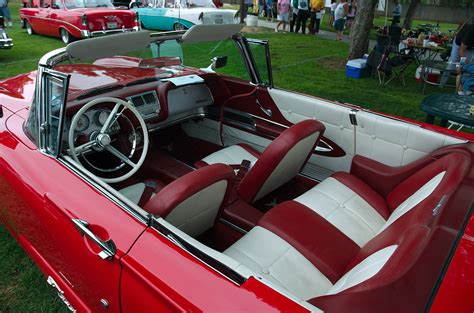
5 41
181 14
139 179
76 19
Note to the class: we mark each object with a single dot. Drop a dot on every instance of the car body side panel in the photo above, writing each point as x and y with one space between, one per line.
455 293
159 276
39 197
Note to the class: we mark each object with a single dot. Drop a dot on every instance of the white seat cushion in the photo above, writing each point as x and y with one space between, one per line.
230 155
274 259
344 209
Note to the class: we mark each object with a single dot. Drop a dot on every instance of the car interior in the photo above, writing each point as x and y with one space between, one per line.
330 204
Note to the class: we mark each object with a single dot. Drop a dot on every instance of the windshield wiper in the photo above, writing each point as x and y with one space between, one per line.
98 91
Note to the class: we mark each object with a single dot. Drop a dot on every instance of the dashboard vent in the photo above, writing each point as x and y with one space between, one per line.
147 104
148 98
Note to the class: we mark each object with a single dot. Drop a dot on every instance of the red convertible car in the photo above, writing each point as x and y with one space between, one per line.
76 19
139 180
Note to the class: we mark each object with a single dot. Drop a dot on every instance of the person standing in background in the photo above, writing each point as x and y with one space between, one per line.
316 7
333 8
261 8
294 14
302 16
397 12
269 10
339 18
463 44
5 12
283 9
351 13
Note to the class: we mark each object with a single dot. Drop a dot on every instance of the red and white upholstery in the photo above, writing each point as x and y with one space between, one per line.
281 161
342 237
194 201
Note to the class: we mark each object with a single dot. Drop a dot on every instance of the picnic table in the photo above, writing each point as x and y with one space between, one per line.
424 52
450 107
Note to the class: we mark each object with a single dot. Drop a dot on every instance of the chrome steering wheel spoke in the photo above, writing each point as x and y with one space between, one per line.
119 155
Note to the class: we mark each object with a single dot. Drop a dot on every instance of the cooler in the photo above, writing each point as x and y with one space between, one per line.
357 68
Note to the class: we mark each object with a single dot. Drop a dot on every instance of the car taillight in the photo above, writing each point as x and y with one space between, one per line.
84 20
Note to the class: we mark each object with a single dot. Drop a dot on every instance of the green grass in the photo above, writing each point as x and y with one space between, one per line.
22 286
305 64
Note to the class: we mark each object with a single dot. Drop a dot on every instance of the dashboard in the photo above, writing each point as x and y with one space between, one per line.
158 103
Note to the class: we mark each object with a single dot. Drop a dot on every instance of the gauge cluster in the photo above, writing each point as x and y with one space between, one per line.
92 121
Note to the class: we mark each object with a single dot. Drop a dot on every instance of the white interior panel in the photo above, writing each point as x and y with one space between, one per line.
380 138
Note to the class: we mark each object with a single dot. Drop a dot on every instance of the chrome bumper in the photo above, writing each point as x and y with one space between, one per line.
89 34
6 43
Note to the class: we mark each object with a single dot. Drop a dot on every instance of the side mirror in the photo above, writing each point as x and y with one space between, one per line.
218 62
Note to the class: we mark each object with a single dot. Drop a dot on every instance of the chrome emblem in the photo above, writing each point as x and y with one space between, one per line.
110 17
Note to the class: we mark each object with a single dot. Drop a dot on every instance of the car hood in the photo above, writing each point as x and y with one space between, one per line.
17 92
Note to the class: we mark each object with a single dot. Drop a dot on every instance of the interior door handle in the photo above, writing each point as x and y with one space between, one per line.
108 247
265 110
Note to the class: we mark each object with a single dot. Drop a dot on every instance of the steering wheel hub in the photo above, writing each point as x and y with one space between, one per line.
103 140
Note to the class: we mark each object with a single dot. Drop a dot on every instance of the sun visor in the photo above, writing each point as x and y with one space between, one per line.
200 33
107 46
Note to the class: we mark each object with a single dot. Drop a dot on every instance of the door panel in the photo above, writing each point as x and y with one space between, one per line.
41 198
380 138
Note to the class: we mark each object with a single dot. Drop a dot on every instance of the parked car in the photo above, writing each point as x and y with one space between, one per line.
76 19
181 14
5 41
139 179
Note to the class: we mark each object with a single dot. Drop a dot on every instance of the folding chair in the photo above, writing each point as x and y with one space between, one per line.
386 66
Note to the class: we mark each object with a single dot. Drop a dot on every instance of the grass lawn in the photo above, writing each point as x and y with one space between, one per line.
305 64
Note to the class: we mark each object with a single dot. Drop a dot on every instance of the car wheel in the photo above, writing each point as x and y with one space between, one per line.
29 29
66 36
178 26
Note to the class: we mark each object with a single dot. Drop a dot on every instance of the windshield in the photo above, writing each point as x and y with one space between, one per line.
180 3
78 4
161 60
197 4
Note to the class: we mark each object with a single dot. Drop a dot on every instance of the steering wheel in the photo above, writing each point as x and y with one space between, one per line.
101 140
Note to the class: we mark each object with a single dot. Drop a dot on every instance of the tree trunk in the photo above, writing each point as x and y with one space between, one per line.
361 27
410 14
242 12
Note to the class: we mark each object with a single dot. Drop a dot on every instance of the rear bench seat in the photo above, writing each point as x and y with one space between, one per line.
343 240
